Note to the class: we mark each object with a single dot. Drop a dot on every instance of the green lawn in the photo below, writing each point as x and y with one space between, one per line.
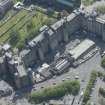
10 24
20 21
88 2
14 20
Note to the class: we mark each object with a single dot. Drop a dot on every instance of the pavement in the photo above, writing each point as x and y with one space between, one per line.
83 71
95 97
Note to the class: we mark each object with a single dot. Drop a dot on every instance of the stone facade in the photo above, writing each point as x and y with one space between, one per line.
45 43
49 40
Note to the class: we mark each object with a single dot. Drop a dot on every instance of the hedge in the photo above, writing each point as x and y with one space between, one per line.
102 92
103 62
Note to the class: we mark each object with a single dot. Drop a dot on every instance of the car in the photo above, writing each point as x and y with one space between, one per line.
34 89
83 80
75 65
63 79
103 54
54 76
68 78
91 95
76 77
104 79
81 94
34 86
42 87
54 83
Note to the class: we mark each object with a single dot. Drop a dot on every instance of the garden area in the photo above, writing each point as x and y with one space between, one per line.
68 87
26 24
88 2
101 9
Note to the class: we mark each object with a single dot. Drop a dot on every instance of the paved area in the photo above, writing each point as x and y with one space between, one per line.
83 71
95 97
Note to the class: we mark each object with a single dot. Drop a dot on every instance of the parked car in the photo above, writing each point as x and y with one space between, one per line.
76 77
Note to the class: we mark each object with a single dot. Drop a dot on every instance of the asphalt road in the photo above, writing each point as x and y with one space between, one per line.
83 71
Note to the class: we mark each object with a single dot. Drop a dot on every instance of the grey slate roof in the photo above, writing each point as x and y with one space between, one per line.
24 52
58 24
37 39
50 32
70 17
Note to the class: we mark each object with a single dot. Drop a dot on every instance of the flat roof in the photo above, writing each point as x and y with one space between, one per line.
6 47
71 17
100 20
81 48
21 71
65 2
58 24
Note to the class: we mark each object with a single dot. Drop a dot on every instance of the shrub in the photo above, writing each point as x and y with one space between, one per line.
14 37
103 62
102 92
101 9
100 74
20 45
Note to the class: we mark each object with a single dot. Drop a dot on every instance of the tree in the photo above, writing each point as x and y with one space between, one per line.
68 87
29 26
103 62
14 37
101 9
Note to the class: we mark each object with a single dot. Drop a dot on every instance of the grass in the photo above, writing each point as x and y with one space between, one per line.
7 16
10 24
101 9
88 2
38 21
18 26
20 21
87 92
68 87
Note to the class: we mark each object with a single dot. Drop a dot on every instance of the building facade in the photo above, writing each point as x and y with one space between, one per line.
47 42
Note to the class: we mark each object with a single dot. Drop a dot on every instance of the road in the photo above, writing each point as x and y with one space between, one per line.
83 71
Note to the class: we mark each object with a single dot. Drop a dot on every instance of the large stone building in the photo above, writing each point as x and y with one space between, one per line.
46 43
